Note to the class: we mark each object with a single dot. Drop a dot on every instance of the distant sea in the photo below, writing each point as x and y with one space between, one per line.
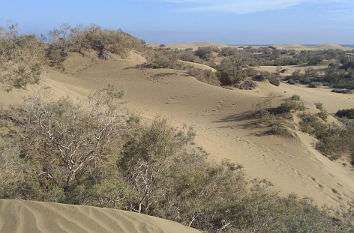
348 45
345 45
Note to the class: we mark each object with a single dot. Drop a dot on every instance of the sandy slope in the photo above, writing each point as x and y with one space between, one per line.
219 118
197 65
290 69
33 217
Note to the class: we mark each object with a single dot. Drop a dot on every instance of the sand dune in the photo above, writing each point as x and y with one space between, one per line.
34 217
331 46
314 47
291 46
219 117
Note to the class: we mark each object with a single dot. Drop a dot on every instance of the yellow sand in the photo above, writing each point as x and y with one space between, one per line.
34 217
197 65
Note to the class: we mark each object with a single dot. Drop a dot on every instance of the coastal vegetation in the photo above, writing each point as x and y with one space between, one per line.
93 152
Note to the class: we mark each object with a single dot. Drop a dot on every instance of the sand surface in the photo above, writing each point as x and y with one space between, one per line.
219 117
197 65
34 217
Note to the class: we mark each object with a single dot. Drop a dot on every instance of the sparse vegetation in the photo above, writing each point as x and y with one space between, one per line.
329 136
90 154
323 114
161 58
333 140
247 85
277 118
76 39
206 76
93 153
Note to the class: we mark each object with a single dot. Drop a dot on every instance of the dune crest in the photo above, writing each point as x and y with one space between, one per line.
32 217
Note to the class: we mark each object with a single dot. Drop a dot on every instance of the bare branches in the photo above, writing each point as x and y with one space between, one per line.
70 135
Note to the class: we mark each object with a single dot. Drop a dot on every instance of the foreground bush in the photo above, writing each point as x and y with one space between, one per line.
90 154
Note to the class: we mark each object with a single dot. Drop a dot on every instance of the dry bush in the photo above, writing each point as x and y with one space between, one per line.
76 39
277 118
66 142
333 140
161 58
189 55
247 85
21 59
206 76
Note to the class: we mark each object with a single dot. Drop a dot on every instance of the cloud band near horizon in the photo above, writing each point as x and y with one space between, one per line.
248 6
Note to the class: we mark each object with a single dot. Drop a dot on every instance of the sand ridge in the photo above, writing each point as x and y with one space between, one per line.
18 216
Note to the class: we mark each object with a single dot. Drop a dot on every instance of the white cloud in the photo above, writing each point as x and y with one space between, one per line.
244 6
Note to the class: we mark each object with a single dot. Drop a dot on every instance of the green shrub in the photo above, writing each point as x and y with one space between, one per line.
204 52
347 113
311 124
278 128
332 140
294 103
206 76
323 114
274 80
276 118
188 55
230 72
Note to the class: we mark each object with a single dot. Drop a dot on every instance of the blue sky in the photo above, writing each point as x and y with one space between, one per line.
175 21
